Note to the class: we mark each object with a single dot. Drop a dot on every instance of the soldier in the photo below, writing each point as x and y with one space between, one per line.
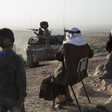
43 31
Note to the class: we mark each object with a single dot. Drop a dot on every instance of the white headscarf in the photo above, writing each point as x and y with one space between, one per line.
75 38
111 32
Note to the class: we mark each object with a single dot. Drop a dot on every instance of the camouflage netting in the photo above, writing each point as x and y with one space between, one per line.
41 40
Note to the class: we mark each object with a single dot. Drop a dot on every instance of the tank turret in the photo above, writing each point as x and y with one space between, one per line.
43 46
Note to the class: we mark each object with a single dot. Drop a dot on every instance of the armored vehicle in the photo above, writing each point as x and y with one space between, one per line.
43 46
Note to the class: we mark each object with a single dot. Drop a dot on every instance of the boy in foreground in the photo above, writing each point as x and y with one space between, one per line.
12 75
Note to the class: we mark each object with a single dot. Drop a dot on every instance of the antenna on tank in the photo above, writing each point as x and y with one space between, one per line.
64 18
64 11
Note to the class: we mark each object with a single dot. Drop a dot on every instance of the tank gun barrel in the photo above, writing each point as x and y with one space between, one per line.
66 30
69 31
33 29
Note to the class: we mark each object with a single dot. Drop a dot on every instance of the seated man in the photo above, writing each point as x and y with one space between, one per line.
108 64
74 48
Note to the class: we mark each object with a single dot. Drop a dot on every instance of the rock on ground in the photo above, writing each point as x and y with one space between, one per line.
108 104
99 70
89 90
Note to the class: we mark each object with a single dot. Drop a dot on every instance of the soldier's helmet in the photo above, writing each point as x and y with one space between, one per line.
44 24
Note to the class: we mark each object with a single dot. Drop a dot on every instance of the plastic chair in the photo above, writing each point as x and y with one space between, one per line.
82 66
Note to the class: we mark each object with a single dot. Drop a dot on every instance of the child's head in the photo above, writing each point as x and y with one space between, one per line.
6 38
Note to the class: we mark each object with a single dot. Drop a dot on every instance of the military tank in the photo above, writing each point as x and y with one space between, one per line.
43 46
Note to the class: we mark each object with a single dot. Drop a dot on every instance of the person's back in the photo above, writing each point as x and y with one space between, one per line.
9 64
75 48
12 75
73 54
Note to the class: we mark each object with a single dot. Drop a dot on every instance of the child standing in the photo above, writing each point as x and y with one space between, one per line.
12 75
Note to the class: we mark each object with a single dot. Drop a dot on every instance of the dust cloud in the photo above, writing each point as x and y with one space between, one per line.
21 40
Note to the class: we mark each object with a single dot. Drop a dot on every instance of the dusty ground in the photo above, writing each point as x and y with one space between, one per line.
34 76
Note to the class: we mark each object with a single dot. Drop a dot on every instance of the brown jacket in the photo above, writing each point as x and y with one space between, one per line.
66 74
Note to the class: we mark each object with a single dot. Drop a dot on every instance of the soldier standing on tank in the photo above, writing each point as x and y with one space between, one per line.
43 31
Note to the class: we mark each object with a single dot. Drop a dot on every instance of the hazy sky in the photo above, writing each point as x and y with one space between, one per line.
28 13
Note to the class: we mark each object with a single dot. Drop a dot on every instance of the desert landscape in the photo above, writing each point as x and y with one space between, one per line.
31 20
97 89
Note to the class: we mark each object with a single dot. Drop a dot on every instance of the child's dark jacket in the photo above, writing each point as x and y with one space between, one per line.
12 77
